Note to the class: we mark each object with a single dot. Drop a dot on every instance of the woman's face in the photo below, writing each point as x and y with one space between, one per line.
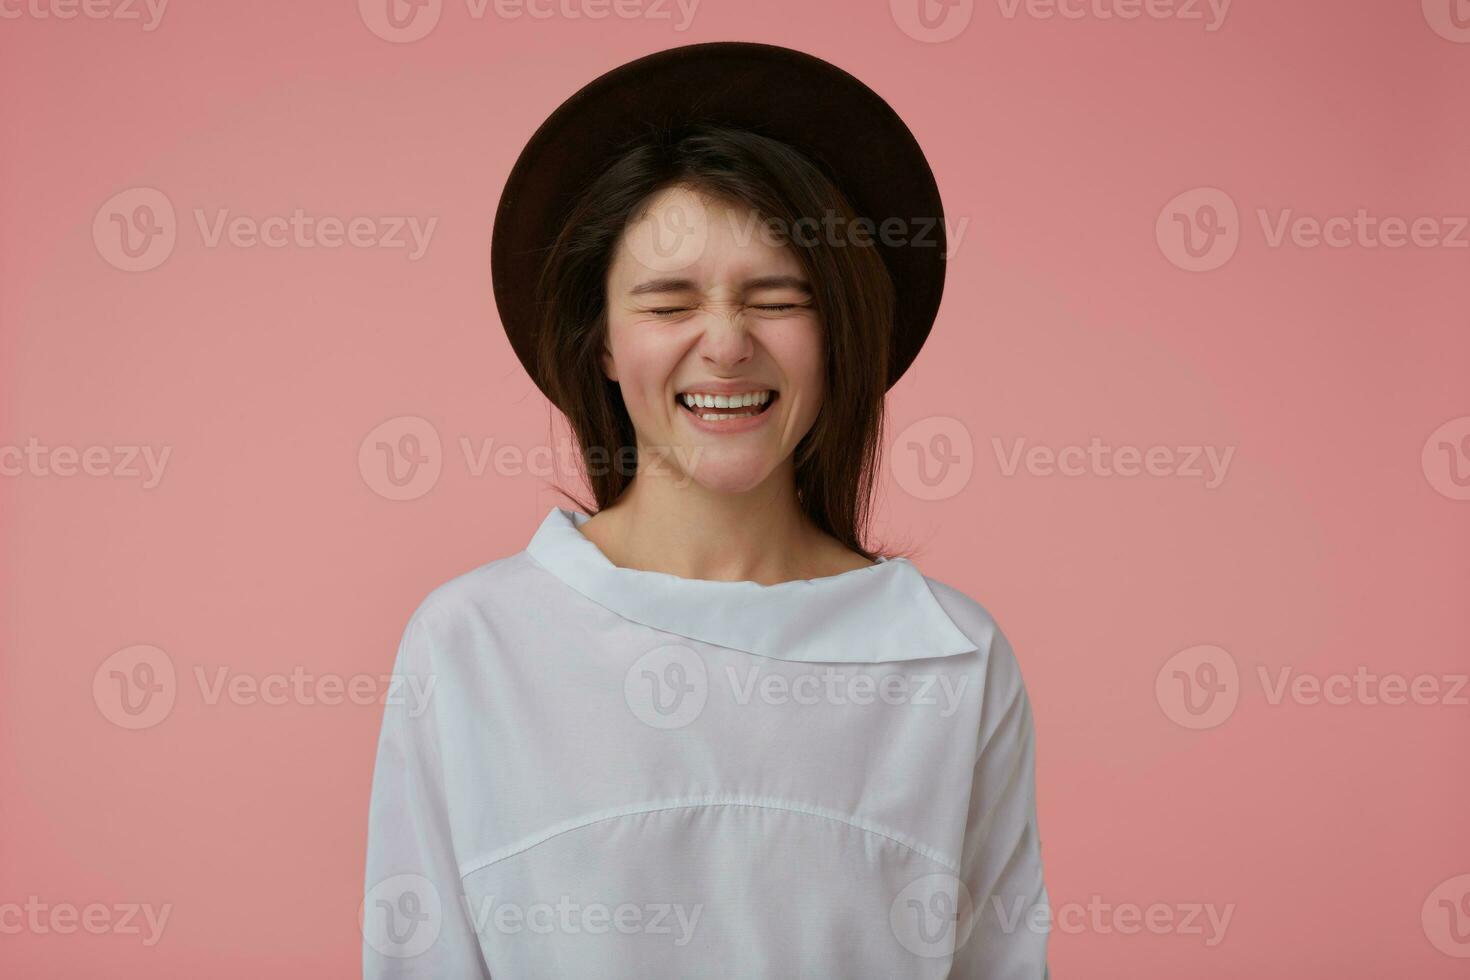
712 338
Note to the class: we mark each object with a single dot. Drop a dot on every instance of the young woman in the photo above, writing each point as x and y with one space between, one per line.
708 731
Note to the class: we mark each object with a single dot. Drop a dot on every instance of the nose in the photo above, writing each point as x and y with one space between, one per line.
725 344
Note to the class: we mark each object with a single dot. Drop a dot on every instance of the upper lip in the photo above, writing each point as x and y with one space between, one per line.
723 388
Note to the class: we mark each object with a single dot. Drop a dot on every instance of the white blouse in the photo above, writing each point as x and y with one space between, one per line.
597 772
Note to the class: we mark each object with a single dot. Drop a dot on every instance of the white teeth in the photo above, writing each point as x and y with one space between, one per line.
743 400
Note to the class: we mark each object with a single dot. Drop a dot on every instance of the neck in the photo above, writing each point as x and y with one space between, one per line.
666 522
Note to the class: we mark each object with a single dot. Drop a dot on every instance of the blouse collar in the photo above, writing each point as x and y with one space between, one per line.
883 612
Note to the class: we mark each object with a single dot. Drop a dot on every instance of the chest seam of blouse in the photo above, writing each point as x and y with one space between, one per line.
601 816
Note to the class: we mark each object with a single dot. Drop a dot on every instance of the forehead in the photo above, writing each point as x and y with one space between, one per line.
680 231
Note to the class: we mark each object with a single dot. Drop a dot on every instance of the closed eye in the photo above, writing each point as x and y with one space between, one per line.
668 311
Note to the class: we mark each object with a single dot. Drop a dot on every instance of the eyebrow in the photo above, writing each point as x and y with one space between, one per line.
685 285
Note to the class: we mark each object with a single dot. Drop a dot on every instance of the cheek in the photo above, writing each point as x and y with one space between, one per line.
644 367
801 354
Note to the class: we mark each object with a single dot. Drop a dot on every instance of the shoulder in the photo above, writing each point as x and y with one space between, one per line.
1006 704
466 623
474 599
972 618
998 658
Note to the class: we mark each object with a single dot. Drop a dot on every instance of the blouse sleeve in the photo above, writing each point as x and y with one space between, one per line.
414 923
1001 857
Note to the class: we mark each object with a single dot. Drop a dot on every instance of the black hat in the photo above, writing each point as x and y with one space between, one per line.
833 119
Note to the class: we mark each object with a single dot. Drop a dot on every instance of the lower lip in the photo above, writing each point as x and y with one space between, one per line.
730 426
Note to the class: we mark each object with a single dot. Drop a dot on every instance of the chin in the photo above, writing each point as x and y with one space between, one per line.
737 473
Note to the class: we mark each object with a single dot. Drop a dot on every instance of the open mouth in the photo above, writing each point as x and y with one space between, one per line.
725 408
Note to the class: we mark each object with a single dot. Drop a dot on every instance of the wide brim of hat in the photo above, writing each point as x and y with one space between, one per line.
839 123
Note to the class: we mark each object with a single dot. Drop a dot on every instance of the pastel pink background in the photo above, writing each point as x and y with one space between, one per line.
265 548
